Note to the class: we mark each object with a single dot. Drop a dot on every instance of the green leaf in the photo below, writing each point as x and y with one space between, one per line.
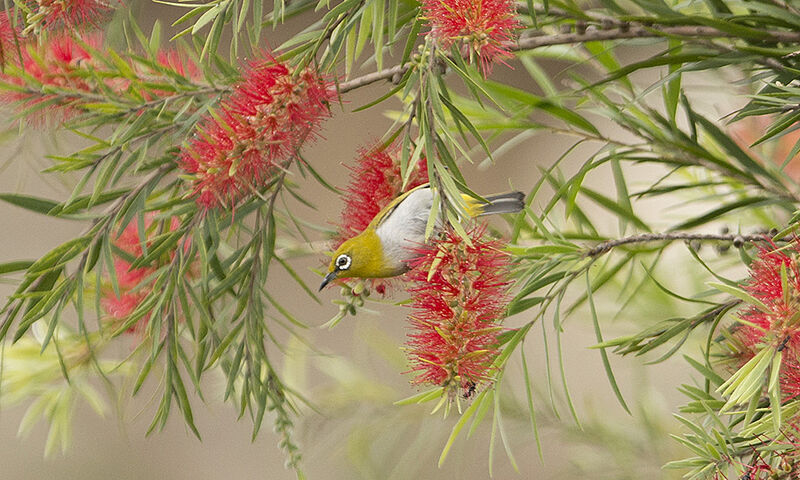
747 382
29 202
529 396
774 390
508 93
614 207
733 149
16 266
465 417
422 397
707 372
779 126
503 435
749 202
672 89
603 355
741 295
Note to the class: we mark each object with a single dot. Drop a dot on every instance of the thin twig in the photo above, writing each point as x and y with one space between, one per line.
640 31
621 33
608 245
373 77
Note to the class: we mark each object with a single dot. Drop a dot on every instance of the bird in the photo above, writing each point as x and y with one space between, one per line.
387 244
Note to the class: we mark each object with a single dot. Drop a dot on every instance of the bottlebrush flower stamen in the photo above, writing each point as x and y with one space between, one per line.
375 181
50 82
59 14
459 297
255 132
130 287
779 325
484 27
8 37
57 64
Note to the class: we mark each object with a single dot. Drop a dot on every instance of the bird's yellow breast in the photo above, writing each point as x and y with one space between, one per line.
368 259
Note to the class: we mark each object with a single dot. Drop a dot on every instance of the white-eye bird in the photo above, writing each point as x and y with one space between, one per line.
386 246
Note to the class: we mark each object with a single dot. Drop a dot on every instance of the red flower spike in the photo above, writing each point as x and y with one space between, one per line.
122 306
62 62
132 290
780 325
60 14
483 26
458 310
173 60
8 36
256 130
374 182
53 64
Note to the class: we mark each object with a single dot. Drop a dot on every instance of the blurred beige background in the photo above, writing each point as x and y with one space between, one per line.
359 433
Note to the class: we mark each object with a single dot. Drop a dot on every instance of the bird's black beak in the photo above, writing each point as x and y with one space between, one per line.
328 279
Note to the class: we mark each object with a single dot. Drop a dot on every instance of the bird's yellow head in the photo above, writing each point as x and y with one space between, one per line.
359 257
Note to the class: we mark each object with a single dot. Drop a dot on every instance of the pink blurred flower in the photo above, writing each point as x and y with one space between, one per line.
68 64
122 306
255 132
174 60
457 311
56 64
484 27
9 37
133 283
60 14
776 151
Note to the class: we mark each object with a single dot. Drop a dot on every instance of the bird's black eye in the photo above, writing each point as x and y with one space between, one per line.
343 262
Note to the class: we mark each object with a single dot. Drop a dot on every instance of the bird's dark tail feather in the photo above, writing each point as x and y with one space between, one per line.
511 202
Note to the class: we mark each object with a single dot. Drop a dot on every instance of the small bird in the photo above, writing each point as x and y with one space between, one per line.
386 246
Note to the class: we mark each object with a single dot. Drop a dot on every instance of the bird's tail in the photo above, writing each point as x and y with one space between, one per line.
511 202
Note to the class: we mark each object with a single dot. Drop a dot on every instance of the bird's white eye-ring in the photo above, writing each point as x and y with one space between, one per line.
343 262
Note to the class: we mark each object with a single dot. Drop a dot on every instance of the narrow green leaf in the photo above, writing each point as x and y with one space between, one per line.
741 295
603 355
421 397
465 417
29 202
529 396
16 266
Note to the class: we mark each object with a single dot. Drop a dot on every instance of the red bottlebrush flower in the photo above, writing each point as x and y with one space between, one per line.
67 64
60 14
375 181
130 284
457 310
122 306
483 26
180 64
8 37
780 325
54 64
257 130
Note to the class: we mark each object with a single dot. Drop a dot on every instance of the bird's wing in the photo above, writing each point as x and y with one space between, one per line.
384 214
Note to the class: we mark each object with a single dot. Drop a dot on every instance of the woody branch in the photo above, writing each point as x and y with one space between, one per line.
624 31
